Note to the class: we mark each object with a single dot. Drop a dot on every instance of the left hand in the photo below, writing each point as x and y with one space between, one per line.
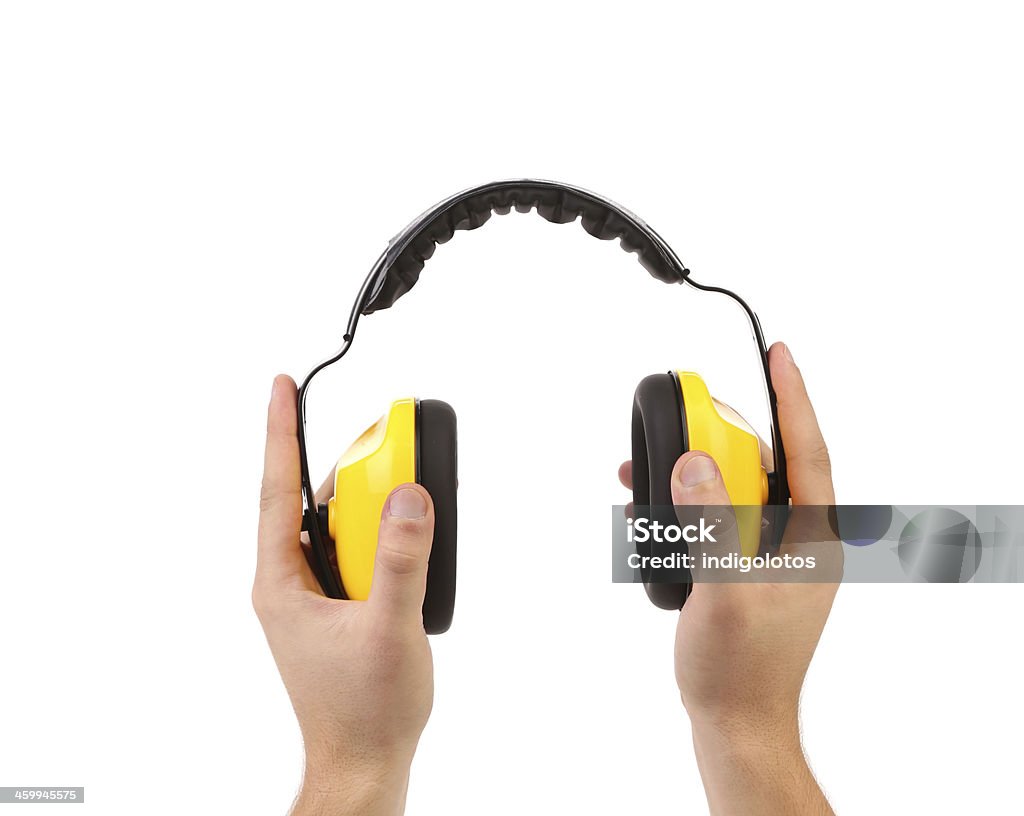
744 641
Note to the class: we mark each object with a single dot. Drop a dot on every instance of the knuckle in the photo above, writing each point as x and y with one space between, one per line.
267 498
818 459
399 558
272 495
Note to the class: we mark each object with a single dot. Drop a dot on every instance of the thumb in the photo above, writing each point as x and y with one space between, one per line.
403 547
696 480
698 491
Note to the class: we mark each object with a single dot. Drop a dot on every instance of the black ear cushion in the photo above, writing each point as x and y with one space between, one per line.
436 470
659 439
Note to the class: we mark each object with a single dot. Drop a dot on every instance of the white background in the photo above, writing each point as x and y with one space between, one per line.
190 195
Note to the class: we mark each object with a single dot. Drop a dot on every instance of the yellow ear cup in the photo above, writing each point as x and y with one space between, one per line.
724 435
377 462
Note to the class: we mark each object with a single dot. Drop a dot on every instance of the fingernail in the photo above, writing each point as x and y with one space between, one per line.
273 389
788 353
697 470
407 503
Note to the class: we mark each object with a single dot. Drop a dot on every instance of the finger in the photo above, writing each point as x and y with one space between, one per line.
279 556
307 551
626 474
809 533
808 466
403 547
326 490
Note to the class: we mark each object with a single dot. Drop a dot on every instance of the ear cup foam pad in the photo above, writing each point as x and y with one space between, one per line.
436 470
659 439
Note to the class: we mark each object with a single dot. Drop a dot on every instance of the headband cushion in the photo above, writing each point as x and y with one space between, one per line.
558 203
659 439
436 470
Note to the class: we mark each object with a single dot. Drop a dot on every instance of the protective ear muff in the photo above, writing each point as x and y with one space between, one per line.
659 439
415 441
672 414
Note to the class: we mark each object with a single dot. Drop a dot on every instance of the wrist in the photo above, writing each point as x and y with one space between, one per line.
747 735
341 787
755 765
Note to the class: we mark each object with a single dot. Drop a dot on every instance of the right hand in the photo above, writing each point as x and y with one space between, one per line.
359 673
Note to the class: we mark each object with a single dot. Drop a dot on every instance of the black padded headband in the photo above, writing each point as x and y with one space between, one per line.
408 251
398 268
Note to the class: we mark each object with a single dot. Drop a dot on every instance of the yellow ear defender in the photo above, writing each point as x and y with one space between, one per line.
416 440
674 413
719 431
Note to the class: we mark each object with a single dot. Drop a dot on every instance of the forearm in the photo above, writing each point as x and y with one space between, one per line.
763 771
